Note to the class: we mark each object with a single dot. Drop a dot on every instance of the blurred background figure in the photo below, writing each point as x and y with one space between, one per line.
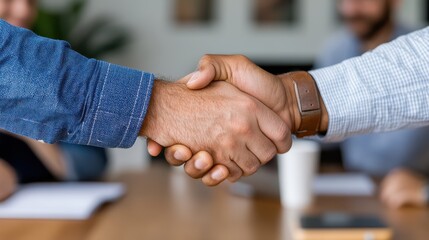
402 157
24 160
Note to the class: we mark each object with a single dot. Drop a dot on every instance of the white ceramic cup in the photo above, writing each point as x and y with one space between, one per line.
297 169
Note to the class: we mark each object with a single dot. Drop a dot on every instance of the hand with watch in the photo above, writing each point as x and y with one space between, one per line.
293 96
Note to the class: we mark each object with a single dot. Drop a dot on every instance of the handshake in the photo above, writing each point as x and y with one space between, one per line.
229 118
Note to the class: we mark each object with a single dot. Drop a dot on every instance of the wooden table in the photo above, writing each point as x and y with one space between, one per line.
165 204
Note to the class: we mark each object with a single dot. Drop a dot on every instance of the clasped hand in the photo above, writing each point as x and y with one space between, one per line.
226 129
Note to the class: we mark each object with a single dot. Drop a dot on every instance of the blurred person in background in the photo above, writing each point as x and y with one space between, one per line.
23 160
400 157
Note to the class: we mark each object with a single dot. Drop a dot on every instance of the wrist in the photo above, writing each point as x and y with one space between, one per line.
293 105
153 118
162 124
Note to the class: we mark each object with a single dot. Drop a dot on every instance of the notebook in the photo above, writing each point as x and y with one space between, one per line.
69 201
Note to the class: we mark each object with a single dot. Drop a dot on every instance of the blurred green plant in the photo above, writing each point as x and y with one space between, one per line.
93 40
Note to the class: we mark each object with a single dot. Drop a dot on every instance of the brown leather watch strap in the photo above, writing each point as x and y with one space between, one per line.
307 96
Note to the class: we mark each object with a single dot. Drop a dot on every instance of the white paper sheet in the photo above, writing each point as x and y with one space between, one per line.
74 201
344 185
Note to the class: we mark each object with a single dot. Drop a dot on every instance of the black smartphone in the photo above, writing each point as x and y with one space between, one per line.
340 220
340 226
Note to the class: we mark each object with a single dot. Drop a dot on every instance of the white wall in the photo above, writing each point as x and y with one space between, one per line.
162 47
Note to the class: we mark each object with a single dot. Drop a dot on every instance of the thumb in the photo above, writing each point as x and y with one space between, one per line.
201 78
210 68
243 74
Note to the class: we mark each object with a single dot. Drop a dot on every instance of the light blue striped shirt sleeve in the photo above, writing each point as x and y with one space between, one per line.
383 90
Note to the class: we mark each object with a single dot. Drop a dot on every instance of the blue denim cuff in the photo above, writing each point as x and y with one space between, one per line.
117 112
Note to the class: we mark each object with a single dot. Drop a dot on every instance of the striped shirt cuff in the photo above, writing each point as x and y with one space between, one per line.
119 108
344 110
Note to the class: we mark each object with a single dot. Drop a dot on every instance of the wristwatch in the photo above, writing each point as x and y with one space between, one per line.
308 99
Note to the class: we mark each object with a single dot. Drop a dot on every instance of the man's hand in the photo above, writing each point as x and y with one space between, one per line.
249 78
239 71
276 92
234 128
403 187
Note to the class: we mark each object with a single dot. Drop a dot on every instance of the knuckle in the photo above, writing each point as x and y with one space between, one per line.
235 173
269 156
249 166
242 58
219 158
283 132
285 138
243 128
228 142
205 59
251 169
240 125
249 105
288 144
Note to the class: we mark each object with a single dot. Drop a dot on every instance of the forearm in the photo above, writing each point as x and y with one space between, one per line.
165 106
51 93
155 119
169 109
383 90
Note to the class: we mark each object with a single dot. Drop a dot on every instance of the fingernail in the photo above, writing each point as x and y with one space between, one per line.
200 164
194 77
217 175
179 156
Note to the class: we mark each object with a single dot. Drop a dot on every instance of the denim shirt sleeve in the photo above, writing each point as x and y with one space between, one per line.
50 92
